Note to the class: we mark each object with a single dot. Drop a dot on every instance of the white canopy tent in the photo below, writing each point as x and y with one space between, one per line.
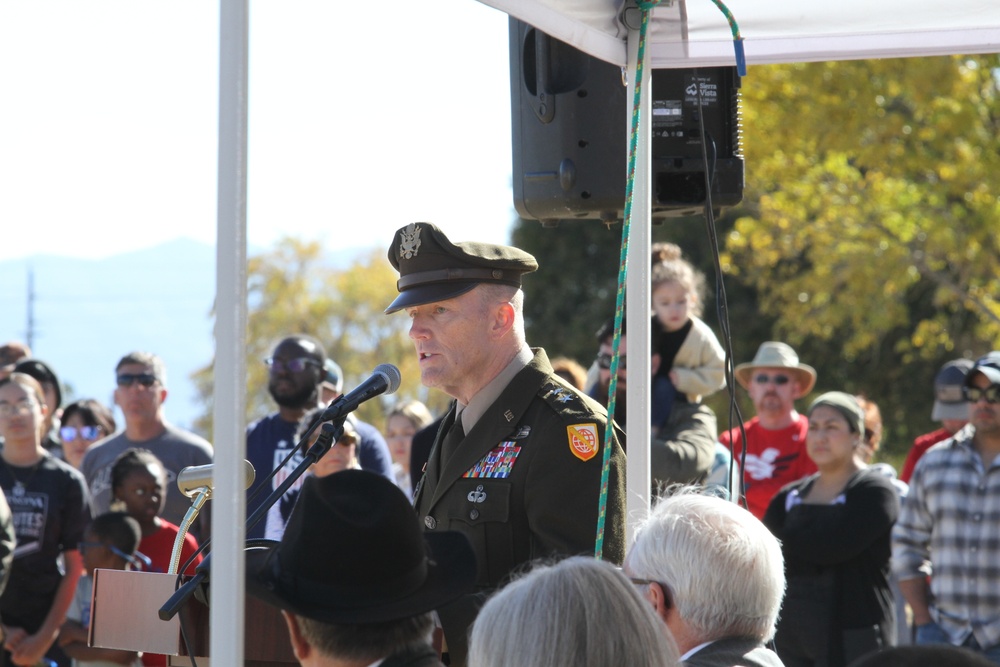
682 33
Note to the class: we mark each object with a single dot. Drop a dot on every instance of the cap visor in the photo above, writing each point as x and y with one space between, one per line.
421 294
944 411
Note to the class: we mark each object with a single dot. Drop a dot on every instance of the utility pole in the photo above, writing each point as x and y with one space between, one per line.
30 333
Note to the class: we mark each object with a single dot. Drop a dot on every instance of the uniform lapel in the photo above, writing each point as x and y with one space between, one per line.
433 470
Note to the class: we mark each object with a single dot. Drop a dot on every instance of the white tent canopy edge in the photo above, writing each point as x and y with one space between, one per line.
692 34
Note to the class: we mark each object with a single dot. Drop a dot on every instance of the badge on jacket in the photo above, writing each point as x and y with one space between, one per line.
498 463
583 441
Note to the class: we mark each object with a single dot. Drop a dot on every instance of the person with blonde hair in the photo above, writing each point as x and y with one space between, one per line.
580 612
401 424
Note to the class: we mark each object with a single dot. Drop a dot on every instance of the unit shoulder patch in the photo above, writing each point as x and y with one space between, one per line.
583 440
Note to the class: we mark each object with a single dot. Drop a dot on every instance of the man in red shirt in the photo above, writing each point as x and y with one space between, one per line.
950 409
776 437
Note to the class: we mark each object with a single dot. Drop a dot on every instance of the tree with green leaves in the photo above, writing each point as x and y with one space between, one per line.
292 289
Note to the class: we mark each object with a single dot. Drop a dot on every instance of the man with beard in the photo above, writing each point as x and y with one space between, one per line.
297 369
682 448
776 437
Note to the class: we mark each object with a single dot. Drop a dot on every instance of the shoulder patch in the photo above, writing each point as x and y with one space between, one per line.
583 441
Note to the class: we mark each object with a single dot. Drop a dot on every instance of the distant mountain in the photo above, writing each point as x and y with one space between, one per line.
88 313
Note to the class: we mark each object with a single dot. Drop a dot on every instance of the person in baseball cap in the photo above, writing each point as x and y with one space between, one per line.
949 408
432 268
356 577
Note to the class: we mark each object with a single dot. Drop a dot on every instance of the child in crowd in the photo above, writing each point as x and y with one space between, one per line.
691 361
343 455
110 543
138 486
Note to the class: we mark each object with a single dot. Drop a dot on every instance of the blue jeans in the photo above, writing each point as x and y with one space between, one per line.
932 633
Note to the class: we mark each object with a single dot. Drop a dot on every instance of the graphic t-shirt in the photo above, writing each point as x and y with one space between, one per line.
270 440
774 458
50 509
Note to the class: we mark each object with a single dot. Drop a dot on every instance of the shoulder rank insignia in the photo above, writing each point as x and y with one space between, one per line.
409 244
498 463
583 441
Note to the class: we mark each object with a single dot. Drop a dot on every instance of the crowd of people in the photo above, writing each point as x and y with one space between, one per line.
778 542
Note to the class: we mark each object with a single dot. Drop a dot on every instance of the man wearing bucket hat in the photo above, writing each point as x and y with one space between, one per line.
517 463
950 525
949 408
776 436
355 576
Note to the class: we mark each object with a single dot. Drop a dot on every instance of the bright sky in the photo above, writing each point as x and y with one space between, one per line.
363 117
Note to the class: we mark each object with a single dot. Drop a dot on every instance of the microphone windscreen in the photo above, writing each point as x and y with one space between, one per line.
392 376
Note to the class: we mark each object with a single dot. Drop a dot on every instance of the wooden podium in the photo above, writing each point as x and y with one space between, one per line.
124 615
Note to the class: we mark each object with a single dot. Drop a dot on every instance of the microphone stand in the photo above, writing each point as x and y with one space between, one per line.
204 493
329 434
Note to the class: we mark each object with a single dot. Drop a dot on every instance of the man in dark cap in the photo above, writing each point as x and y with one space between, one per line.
517 463
949 409
950 525
355 577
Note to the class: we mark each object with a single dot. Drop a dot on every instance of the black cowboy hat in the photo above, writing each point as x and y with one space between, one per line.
353 552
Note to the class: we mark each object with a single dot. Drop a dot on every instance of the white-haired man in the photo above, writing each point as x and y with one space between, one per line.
715 575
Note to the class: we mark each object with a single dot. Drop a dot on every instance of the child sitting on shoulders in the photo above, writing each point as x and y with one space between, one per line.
691 361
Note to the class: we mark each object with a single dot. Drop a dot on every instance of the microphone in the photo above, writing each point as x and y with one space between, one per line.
194 479
384 379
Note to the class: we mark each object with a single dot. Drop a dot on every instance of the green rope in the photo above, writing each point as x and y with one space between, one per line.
646 7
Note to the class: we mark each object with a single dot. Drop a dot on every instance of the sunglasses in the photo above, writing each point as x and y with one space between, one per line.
138 559
764 378
70 433
128 379
604 361
296 365
991 394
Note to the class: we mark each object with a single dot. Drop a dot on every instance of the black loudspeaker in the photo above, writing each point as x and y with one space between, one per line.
568 125
677 165
570 132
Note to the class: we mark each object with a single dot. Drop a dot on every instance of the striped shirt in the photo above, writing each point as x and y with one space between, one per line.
950 527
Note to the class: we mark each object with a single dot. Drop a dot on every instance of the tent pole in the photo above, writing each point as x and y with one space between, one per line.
228 533
637 300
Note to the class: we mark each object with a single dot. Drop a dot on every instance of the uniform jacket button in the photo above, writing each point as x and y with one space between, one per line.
430 522
474 514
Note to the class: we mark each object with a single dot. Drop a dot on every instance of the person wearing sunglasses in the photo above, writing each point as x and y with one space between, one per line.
84 422
776 436
298 370
141 379
950 525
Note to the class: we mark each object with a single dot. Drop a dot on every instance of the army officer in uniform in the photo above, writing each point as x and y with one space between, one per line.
516 465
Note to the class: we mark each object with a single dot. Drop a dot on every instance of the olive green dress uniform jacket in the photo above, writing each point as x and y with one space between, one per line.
548 501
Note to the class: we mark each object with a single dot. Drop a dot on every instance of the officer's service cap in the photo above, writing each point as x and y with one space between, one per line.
432 268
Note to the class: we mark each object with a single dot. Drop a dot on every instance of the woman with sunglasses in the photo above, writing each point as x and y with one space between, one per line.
83 423
49 503
835 530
